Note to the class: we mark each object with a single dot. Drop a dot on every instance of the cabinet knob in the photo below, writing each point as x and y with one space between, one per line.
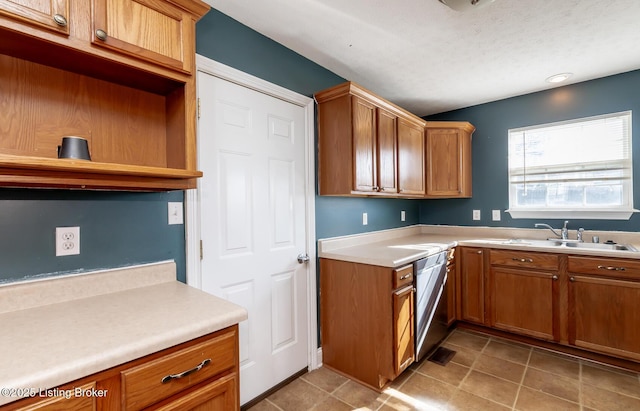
479 251
101 34
554 278
572 279
60 20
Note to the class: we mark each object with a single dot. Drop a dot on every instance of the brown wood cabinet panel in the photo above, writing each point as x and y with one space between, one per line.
361 298
387 151
609 267
448 159
472 284
66 401
145 384
524 301
525 259
410 159
152 30
450 293
219 395
402 276
604 314
52 15
403 330
364 146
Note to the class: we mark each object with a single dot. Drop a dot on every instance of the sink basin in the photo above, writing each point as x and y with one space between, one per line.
603 246
572 244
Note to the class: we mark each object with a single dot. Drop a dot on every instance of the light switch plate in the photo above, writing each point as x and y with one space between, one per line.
365 219
495 215
403 216
476 215
176 215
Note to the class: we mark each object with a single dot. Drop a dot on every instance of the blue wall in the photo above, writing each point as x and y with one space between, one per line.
116 229
493 120
225 40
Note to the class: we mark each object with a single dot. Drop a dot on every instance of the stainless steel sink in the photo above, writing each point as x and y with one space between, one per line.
571 244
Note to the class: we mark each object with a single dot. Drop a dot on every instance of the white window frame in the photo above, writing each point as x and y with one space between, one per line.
622 212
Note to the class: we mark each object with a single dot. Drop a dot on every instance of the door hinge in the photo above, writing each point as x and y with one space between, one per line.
201 253
198 107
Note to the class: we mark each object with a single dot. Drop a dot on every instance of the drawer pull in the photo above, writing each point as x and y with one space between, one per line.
610 268
183 374
404 277
60 20
523 260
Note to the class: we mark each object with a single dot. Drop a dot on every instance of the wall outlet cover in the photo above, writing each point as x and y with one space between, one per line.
365 219
67 241
495 215
476 215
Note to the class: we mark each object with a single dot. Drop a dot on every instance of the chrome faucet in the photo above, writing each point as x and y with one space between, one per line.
564 232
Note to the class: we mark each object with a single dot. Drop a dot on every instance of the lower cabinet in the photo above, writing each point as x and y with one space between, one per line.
472 284
524 293
592 303
367 320
604 305
201 374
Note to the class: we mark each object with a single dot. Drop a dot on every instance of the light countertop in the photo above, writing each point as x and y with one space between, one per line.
64 328
398 247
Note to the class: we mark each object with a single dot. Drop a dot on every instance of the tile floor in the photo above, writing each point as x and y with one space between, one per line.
486 373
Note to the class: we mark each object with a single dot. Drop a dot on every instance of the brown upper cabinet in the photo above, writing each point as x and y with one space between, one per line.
371 147
117 73
50 15
367 145
449 159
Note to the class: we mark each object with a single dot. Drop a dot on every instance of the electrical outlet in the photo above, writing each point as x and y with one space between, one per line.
176 215
403 216
365 220
495 215
67 241
476 215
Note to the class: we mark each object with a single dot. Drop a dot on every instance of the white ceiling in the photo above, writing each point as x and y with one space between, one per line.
428 58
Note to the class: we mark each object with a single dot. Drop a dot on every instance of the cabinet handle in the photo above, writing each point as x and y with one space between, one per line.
404 277
60 20
554 278
381 189
572 279
610 268
479 252
183 374
523 260
101 34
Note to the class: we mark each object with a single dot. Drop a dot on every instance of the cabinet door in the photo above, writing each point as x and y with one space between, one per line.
62 403
410 158
48 14
472 284
364 146
604 314
403 329
450 293
219 395
387 128
524 302
151 30
444 176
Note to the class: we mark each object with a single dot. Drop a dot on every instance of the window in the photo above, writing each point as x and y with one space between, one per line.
579 168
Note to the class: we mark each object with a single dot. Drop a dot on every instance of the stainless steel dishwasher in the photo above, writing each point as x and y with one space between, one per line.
430 280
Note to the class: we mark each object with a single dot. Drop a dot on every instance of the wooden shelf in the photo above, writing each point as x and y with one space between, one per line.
26 171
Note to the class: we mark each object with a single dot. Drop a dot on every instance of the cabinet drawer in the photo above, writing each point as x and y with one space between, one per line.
402 276
143 385
611 267
540 261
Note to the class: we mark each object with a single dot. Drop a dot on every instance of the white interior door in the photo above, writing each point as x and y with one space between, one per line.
254 215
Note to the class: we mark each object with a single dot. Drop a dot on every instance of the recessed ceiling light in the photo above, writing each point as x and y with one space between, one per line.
464 5
558 78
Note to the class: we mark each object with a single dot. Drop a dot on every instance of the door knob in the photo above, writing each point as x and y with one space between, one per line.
303 258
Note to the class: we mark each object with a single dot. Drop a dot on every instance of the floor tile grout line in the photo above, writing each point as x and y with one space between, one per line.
524 374
274 404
